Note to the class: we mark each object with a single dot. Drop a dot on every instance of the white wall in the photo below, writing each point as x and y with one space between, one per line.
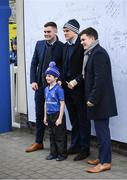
109 17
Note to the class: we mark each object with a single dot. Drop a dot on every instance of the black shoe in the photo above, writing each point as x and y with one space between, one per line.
50 157
82 155
72 150
60 158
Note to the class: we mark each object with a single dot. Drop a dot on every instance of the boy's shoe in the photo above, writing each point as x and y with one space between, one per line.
34 147
60 158
50 157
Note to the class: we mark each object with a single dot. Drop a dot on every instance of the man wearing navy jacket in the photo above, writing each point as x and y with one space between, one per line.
45 51
73 85
99 96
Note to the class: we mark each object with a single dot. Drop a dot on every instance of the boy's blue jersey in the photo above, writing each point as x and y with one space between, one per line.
53 97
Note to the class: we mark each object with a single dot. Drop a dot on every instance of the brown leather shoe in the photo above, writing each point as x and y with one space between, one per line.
93 161
34 147
99 168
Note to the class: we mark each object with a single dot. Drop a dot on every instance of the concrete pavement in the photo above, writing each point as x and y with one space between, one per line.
15 163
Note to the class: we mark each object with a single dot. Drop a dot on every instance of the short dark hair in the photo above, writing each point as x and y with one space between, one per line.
90 32
53 24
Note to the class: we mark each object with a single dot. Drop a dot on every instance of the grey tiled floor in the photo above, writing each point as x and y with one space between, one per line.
16 164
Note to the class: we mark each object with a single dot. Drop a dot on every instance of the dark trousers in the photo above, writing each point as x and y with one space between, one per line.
103 139
81 127
39 112
58 135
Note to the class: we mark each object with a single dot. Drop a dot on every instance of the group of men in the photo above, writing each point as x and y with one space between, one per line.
87 82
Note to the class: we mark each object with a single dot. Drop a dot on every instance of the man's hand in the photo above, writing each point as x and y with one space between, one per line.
72 84
59 82
34 86
89 104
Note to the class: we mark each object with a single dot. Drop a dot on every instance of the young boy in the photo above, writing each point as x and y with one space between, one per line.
54 116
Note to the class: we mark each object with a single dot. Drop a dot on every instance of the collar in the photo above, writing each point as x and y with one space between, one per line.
51 86
72 41
52 42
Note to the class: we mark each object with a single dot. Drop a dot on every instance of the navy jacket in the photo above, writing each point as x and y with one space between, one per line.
38 59
76 61
99 86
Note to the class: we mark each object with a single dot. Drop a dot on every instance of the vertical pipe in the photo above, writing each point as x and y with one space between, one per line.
5 95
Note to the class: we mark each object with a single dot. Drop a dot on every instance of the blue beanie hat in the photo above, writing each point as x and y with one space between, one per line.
72 25
52 69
